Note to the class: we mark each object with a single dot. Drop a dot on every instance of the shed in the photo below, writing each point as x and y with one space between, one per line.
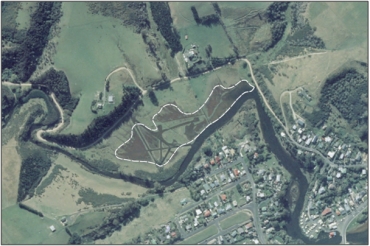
110 99
52 228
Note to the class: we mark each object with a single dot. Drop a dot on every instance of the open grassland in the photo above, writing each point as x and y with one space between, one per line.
245 25
200 236
90 47
10 169
62 195
85 222
238 218
154 215
22 227
341 25
311 71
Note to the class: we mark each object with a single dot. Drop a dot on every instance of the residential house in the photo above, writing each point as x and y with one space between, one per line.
300 122
236 172
228 207
223 197
235 203
207 213
326 211
240 231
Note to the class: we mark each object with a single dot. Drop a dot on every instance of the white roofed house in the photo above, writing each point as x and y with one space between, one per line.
111 99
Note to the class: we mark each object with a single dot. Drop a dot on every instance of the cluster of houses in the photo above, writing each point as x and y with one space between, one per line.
330 146
319 215
245 231
162 235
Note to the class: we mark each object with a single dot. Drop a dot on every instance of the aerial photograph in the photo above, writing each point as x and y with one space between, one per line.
184 122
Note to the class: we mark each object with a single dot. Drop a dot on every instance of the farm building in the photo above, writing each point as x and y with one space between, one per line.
52 228
110 99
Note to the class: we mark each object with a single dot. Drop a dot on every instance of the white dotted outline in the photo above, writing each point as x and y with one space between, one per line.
156 128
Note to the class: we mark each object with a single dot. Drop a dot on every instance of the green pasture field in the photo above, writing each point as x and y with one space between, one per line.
341 25
200 236
22 227
237 218
87 52
85 222
155 215
198 34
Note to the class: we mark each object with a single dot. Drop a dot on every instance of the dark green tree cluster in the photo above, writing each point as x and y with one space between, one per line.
114 222
276 11
275 14
33 169
23 59
217 8
305 38
100 125
28 208
153 97
57 82
218 62
207 151
344 91
162 17
207 20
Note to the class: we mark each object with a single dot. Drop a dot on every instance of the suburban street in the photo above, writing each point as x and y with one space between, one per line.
252 206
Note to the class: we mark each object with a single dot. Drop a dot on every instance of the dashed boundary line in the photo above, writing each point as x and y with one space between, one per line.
170 104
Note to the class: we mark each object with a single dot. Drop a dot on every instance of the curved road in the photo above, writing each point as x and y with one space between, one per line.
349 219
284 127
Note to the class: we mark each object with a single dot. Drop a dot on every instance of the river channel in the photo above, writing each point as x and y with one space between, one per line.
292 165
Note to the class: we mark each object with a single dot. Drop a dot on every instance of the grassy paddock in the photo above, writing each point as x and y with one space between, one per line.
152 216
237 218
200 236
22 227
62 196
85 221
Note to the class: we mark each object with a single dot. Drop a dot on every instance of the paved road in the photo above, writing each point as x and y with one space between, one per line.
344 225
252 206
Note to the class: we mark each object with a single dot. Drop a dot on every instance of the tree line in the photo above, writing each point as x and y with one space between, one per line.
162 17
275 15
22 60
207 20
33 168
100 125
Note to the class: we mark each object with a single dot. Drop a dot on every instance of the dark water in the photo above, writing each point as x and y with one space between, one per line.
358 238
